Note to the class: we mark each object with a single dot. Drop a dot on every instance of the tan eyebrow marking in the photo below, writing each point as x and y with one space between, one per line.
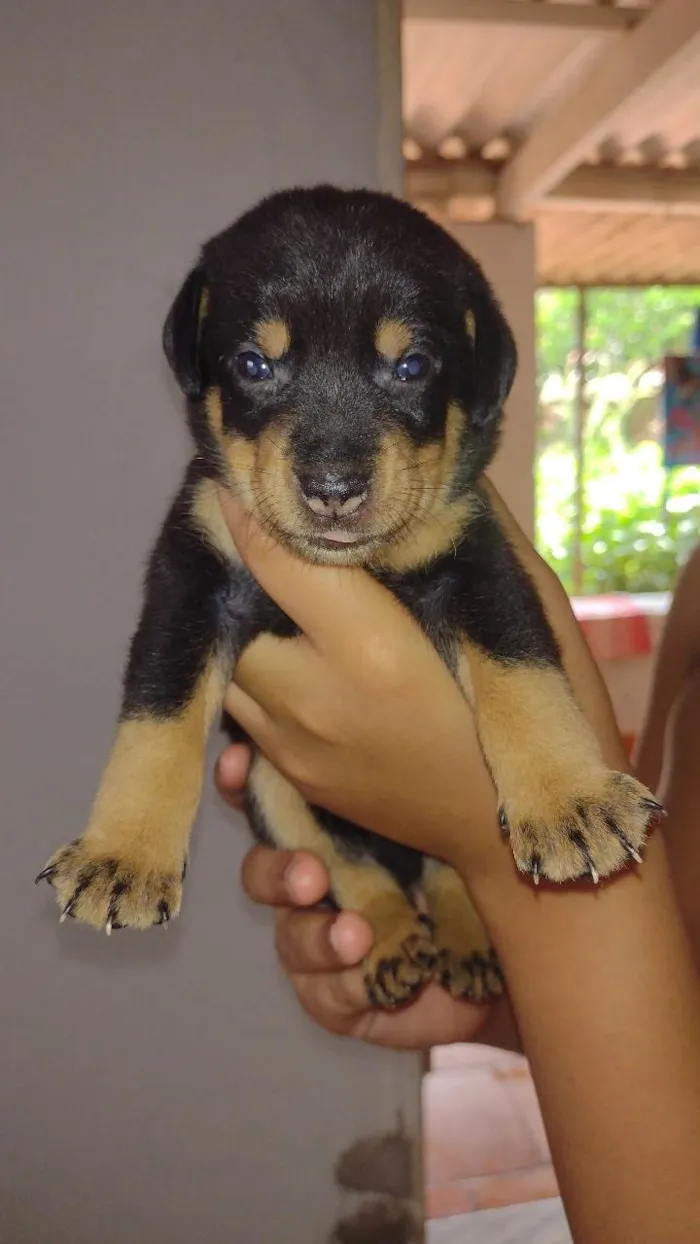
273 337
392 338
203 307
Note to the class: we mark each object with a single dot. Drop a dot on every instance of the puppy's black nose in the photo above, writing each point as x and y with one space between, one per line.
333 494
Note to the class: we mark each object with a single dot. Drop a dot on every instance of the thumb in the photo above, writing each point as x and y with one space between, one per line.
330 604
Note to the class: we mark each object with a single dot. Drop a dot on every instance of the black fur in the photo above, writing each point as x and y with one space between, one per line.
479 589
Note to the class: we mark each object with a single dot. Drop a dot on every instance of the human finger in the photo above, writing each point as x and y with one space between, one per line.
321 941
250 715
277 878
337 1001
231 770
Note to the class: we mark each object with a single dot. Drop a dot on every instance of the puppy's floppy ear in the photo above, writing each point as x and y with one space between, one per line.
182 334
494 354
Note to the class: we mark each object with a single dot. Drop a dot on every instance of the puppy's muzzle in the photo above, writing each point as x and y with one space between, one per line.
333 495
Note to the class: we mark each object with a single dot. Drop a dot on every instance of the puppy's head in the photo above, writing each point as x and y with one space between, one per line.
347 364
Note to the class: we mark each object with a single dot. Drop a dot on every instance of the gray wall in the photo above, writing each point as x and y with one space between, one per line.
161 1086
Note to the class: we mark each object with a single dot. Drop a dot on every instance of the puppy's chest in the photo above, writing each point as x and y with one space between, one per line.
433 597
246 611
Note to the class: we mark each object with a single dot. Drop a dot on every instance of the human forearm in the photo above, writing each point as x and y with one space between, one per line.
668 681
678 656
606 998
607 1001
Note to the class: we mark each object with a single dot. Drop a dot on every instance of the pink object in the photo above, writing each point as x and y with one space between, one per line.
615 626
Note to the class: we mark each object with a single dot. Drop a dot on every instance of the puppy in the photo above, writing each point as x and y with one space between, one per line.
345 364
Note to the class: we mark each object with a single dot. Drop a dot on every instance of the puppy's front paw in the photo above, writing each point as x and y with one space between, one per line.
401 960
113 889
587 831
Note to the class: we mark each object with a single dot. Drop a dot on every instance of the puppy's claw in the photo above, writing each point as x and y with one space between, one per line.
46 874
67 911
579 841
631 851
655 806
535 866
503 823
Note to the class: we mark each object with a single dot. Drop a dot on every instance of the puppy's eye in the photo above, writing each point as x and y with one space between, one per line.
412 367
253 366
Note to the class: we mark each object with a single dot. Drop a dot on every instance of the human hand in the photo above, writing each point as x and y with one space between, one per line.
364 718
324 971
359 711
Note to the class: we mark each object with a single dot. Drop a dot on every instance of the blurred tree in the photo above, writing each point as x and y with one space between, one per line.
639 522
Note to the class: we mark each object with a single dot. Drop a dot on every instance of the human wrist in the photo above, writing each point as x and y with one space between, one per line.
577 920
479 853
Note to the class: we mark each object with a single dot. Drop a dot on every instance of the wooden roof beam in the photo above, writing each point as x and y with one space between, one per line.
645 59
599 188
591 18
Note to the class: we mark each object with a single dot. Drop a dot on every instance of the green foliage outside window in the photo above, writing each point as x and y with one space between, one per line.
639 521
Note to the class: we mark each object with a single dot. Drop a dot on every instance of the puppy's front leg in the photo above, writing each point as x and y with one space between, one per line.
566 813
127 868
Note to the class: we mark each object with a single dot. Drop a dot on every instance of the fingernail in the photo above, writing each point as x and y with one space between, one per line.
297 882
349 941
338 938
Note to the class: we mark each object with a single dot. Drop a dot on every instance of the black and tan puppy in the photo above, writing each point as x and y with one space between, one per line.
346 365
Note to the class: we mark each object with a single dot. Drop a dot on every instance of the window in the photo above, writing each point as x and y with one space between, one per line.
609 517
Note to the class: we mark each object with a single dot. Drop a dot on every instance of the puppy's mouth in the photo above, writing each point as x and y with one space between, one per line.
334 545
343 532
340 536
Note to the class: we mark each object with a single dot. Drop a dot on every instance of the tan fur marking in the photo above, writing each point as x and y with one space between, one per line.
525 714
273 338
296 829
550 776
239 454
462 943
437 535
450 906
274 480
215 414
140 825
206 510
261 475
203 307
427 474
470 325
454 432
392 338
401 939
151 787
